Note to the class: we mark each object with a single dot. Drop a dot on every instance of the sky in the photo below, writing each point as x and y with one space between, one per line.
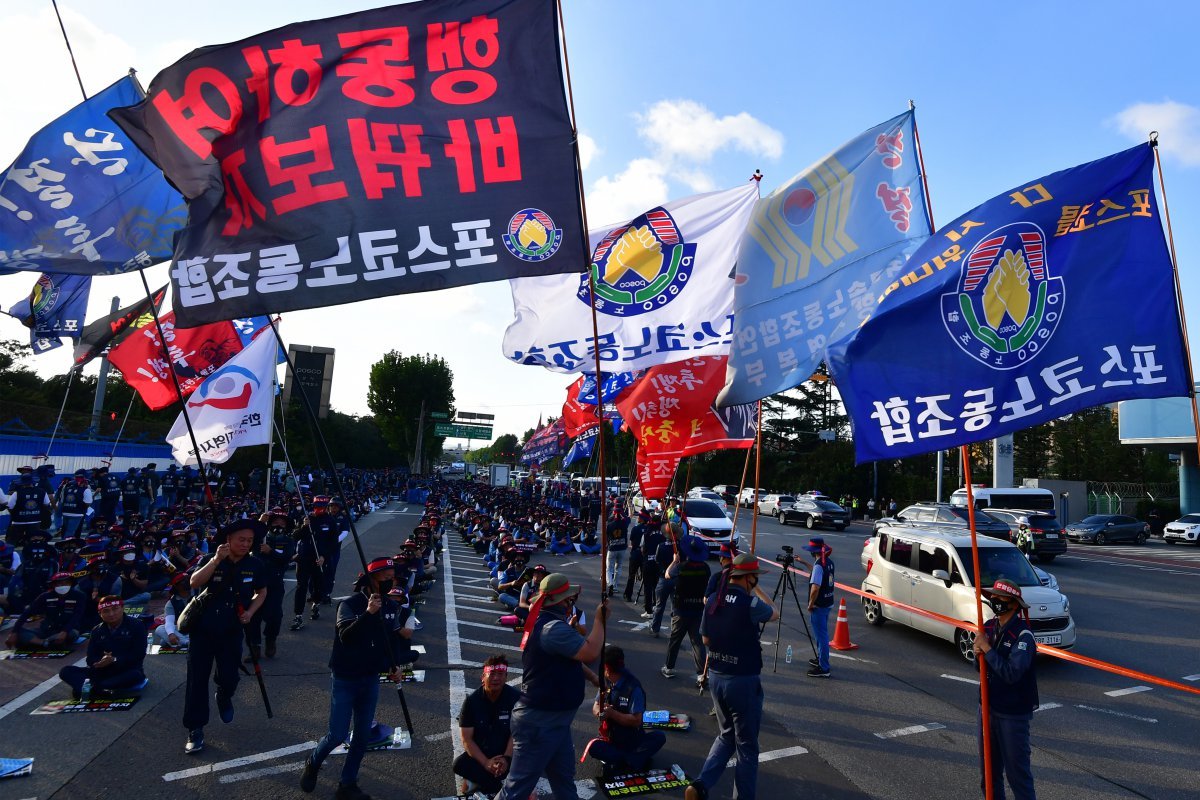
675 97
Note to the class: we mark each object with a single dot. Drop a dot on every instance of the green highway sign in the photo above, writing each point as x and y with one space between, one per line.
455 431
439 415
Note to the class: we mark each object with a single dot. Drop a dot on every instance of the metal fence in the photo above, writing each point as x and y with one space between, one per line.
1124 497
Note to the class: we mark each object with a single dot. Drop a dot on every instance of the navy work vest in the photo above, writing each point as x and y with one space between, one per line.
825 593
27 510
1020 698
550 682
733 637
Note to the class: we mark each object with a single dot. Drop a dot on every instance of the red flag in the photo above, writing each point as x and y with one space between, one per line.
670 412
576 416
195 354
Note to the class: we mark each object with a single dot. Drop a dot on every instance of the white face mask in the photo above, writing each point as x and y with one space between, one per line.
129 556
61 589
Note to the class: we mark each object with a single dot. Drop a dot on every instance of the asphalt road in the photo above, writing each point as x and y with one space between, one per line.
897 719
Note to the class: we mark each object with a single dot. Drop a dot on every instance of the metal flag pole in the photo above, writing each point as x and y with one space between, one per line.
1187 348
61 409
270 449
984 704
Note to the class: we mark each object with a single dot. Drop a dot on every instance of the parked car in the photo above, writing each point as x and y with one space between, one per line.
1101 529
1184 529
637 502
945 516
1048 537
773 504
746 498
815 514
728 492
933 571
700 493
708 521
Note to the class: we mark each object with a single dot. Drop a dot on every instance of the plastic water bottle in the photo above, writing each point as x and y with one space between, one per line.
85 692
787 655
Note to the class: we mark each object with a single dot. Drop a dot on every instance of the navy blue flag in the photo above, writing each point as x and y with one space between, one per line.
107 332
401 149
612 386
54 310
1055 297
582 447
82 199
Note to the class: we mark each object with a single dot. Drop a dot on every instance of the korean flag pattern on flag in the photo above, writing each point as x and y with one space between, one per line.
664 291
1057 296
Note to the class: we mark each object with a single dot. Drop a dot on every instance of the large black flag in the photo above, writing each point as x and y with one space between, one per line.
108 331
395 150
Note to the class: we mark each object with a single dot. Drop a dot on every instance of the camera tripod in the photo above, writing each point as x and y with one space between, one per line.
787 584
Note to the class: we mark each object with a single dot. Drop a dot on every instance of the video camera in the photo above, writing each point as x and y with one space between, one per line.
787 557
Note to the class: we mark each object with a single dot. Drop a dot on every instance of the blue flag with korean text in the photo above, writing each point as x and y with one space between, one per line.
582 447
54 310
817 254
82 199
1054 297
610 387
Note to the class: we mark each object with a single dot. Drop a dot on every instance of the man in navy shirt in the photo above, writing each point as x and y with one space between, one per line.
623 744
115 653
820 601
485 722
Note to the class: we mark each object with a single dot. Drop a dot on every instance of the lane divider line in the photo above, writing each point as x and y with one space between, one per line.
910 730
1116 713
35 692
1047 707
487 645
960 679
773 755
221 766
260 773
1130 690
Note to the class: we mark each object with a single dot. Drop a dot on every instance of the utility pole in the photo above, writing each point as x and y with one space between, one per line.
417 454
102 381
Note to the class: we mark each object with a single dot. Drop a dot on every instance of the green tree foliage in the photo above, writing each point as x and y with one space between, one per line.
399 384
505 450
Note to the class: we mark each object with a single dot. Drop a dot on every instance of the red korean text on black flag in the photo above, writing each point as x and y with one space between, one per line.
397 150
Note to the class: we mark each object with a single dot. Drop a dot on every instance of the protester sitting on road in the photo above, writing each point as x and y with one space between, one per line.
586 541
61 610
100 581
115 653
484 721
168 633
508 592
133 573
560 543
623 744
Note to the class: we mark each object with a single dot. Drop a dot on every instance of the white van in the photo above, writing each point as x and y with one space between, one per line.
1015 497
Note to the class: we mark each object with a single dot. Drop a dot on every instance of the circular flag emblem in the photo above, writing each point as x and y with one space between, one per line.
640 266
531 235
1007 306
44 295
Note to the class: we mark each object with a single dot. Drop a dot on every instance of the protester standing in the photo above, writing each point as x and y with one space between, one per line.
690 572
820 602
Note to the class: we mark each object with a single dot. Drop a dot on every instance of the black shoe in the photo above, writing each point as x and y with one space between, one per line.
195 742
350 791
316 612
297 623
817 672
813 662
225 707
270 648
308 778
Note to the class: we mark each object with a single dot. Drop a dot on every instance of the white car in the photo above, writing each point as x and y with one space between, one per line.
933 571
1184 529
746 498
700 493
639 503
772 505
708 521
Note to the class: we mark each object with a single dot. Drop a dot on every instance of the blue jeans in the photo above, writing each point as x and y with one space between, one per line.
662 593
1010 756
615 557
349 697
819 617
738 700
540 748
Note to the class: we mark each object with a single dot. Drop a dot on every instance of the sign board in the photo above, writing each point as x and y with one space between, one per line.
471 417
314 375
438 415
456 431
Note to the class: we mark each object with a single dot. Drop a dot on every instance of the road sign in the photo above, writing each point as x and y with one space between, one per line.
471 417
456 431
438 415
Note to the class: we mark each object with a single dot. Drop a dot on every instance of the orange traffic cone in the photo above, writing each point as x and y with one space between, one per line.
841 633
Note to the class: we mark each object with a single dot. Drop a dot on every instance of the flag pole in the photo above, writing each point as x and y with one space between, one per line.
1187 348
737 503
757 476
70 52
61 410
984 704
270 448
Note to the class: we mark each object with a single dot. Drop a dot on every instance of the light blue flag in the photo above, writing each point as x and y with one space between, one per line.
817 255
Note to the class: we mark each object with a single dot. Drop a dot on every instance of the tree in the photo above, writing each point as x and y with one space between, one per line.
399 385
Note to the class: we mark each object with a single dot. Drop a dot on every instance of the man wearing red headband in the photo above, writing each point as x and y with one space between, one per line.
115 653
485 722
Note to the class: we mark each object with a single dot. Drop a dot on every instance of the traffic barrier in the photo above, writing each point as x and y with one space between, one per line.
841 633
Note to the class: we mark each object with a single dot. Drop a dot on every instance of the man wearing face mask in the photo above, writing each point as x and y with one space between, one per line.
115 653
276 552
730 627
61 610
1008 646
134 576
25 501
367 624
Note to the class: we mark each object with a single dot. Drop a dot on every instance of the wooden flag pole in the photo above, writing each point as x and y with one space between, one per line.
757 477
984 705
1187 348
737 503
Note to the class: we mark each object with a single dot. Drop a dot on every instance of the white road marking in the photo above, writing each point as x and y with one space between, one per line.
258 773
476 580
437 737
835 654
960 679
1047 707
481 600
453 649
487 572
489 645
458 695
636 626
910 730
1195 677
1130 690
773 755
1116 713
35 692
221 766
585 788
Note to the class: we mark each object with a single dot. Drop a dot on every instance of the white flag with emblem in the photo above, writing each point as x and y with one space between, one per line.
232 408
664 291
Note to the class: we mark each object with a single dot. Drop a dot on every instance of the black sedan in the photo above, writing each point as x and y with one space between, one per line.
815 514
1105 528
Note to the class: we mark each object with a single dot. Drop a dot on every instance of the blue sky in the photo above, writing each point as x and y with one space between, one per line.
675 97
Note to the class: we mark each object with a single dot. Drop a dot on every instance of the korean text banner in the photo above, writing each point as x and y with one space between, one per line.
577 417
106 332
818 252
82 199
545 444
231 408
610 388
396 150
670 412
1054 297
54 309
582 447
664 291
195 353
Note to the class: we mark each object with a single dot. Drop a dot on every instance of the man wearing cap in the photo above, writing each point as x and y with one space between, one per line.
115 652
367 626
133 488
181 592
61 609
552 690
690 573
623 744
820 601
235 582
1008 647
730 627
276 553
485 723
76 499
25 501
168 487
717 581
